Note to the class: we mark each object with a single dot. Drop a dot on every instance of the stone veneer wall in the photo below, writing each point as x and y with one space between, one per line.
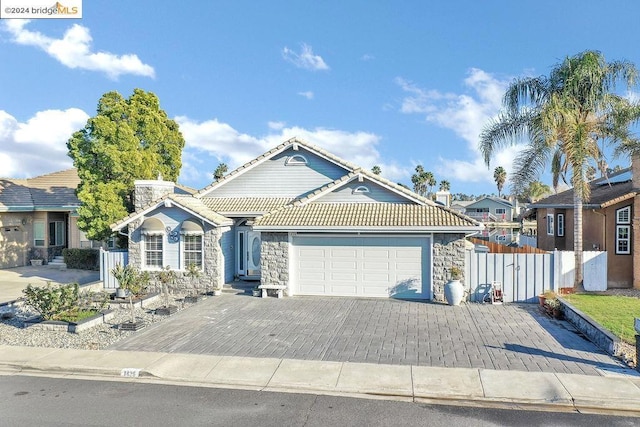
448 251
274 259
211 278
148 191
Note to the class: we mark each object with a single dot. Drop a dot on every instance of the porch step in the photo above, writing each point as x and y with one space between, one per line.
240 287
57 262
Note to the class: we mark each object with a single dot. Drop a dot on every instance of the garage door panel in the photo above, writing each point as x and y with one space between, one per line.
362 266
312 264
343 253
344 290
375 266
344 265
376 253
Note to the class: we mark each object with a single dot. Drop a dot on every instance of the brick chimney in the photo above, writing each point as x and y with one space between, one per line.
147 191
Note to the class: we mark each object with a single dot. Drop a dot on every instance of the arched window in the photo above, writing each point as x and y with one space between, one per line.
296 160
192 233
153 237
361 189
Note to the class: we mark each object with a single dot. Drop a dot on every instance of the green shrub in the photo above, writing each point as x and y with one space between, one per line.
51 300
82 259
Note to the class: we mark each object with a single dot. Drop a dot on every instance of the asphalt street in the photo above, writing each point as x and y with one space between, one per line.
39 401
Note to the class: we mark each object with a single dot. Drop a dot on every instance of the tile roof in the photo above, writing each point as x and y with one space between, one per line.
50 191
364 215
253 205
602 193
187 202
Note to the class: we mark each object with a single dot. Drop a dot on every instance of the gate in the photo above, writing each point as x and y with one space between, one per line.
108 260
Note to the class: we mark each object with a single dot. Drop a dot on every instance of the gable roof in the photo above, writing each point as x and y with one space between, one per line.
604 192
295 143
187 203
362 174
53 191
497 200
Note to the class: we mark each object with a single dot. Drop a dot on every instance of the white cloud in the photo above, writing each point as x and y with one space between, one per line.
276 125
38 145
225 144
308 94
74 50
367 57
465 114
305 59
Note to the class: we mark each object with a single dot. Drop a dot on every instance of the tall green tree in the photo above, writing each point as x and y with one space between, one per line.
376 170
127 139
445 185
500 177
564 115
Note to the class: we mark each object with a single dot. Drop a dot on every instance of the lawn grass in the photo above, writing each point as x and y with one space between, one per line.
614 313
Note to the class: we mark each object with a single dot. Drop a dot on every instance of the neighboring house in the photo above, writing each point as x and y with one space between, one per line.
300 217
38 217
493 209
609 221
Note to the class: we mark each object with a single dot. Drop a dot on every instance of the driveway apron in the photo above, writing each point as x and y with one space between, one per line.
386 331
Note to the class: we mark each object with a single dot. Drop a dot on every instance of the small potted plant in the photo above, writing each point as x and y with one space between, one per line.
552 306
36 257
453 289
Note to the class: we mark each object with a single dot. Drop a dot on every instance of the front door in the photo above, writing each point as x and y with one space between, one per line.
248 253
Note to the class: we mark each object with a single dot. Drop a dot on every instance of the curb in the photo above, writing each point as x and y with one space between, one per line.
623 408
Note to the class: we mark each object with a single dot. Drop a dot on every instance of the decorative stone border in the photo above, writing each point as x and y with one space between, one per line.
591 329
56 325
141 303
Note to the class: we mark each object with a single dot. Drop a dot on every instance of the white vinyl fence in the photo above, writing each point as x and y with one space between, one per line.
108 260
525 276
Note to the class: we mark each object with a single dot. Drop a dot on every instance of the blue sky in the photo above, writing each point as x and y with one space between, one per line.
392 83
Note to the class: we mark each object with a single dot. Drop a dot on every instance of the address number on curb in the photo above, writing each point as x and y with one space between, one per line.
130 373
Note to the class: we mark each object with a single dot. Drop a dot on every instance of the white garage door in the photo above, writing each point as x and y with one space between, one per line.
361 266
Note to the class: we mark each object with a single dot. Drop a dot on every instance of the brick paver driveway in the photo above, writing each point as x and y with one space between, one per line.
510 337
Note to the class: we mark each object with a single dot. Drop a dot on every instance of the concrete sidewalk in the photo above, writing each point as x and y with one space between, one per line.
466 386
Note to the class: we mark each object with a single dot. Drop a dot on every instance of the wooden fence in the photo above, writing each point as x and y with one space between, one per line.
497 248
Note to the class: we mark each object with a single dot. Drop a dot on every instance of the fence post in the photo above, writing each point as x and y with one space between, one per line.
555 271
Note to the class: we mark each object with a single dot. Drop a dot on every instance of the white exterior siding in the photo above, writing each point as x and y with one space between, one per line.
273 178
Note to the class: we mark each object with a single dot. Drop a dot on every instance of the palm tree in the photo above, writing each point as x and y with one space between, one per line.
445 185
564 116
500 177
220 171
536 191
419 181
376 170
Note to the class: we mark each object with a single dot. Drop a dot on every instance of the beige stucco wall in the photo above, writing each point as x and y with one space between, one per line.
14 238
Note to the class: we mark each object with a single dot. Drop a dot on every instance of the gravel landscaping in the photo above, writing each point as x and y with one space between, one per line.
13 332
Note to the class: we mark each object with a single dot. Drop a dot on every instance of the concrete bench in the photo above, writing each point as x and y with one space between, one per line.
279 288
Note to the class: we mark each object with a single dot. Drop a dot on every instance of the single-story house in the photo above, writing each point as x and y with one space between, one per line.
38 217
301 218
610 223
